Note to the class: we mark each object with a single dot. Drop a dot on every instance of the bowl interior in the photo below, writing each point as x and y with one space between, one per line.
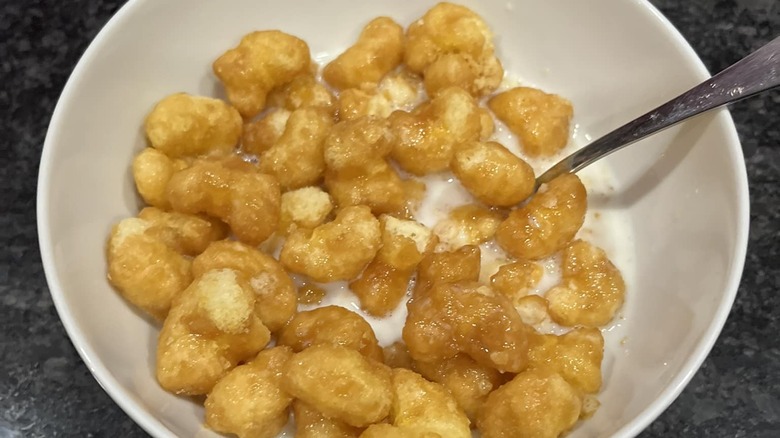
684 191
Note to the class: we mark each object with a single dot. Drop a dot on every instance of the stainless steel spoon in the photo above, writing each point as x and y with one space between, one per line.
757 72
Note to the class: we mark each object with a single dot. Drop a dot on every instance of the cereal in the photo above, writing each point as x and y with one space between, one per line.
257 137
421 409
381 287
397 356
426 407
592 289
143 268
533 309
303 92
385 280
356 144
310 423
321 173
415 193
425 140
296 159
336 250
384 430
261 62
249 401
462 264
152 170
185 233
183 125
378 50
310 293
540 120
487 125
590 404
358 173
341 383
492 174
395 91
548 222
469 224
535 404
404 242
466 317
516 279
276 296
247 200
468 382
377 186
331 325
576 356
211 327
307 207
451 45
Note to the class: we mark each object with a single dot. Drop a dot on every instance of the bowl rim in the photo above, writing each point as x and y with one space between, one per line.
156 428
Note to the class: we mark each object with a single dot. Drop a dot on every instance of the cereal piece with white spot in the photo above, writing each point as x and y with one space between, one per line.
517 279
453 46
143 268
469 224
396 91
336 250
425 139
211 328
385 281
307 207
303 92
276 297
261 135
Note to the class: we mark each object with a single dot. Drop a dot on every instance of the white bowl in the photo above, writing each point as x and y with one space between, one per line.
684 191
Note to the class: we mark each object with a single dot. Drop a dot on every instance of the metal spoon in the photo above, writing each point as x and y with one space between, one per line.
757 72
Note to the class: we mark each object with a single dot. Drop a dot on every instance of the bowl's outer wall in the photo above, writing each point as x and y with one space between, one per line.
685 189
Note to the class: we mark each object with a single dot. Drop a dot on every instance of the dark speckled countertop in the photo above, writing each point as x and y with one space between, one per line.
46 390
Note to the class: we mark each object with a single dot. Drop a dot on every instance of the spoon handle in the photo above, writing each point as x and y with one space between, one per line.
753 74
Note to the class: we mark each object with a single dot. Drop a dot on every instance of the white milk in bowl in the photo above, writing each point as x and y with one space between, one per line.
606 227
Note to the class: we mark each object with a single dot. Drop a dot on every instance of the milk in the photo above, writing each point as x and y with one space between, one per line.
609 229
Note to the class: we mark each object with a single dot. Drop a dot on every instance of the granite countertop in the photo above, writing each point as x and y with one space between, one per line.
46 390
